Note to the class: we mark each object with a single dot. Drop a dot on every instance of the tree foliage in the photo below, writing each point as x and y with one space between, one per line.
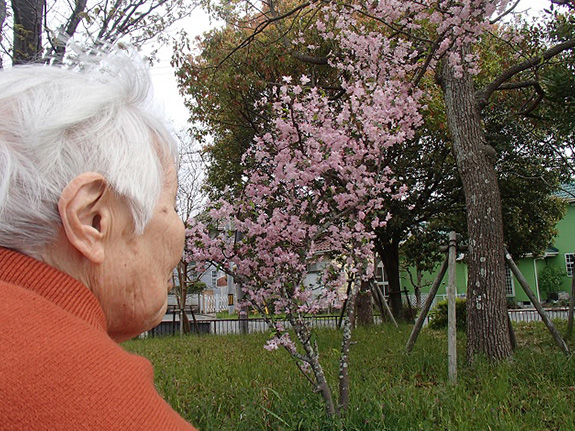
383 62
223 82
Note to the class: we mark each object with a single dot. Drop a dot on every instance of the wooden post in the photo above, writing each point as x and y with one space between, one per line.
569 332
560 342
451 317
383 301
511 333
426 307
375 293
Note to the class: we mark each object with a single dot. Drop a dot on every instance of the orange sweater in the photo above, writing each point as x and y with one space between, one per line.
59 370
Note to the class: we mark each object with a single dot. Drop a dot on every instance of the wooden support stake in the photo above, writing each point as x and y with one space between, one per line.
569 332
426 307
511 333
375 293
383 301
451 317
560 342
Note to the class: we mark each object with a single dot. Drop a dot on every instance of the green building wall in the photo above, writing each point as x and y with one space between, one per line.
563 243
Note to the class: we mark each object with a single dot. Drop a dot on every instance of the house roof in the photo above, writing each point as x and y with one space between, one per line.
549 252
567 192
321 247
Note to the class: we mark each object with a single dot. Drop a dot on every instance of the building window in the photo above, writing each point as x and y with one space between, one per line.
214 278
509 286
381 279
569 262
315 267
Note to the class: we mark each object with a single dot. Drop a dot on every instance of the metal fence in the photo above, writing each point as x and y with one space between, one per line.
171 324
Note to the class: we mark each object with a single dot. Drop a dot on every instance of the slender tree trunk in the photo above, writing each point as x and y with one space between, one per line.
389 254
343 402
364 305
28 15
487 323
3 11
64 34
311 351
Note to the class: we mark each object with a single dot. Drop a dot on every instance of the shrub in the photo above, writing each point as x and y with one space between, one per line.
438 315
550 279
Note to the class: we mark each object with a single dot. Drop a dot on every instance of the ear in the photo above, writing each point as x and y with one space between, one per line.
85 214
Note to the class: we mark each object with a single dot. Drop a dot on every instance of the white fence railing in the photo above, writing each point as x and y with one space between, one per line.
531 315
212 303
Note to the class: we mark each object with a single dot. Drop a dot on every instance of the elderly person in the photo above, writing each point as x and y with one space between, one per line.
88 241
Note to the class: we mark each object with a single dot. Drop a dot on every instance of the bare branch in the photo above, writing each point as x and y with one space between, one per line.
569 3
421 72
507 12
261 27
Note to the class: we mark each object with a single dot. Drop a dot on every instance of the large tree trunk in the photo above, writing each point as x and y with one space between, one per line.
364 305
487 322
27 30
389 254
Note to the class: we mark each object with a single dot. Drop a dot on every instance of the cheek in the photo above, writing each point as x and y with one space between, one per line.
179 233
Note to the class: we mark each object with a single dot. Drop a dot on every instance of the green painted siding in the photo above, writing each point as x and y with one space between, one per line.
565 243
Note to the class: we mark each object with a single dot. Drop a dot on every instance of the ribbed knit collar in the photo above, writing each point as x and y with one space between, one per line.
62 290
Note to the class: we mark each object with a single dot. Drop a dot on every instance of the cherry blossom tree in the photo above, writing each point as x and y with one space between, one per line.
317 173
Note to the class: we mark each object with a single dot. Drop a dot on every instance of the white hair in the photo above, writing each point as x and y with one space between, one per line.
56 124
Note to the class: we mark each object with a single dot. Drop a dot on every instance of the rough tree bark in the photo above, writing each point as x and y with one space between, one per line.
28 15
487 323
3 11
389 255
364 305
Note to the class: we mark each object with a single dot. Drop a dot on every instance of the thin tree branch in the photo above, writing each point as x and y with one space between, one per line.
519 84
260 28
507 12
569 3
531 107
484 95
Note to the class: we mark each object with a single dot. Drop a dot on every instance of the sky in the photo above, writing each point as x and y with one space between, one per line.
164 81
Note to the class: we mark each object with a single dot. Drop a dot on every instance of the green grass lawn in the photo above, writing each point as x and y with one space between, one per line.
222 383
